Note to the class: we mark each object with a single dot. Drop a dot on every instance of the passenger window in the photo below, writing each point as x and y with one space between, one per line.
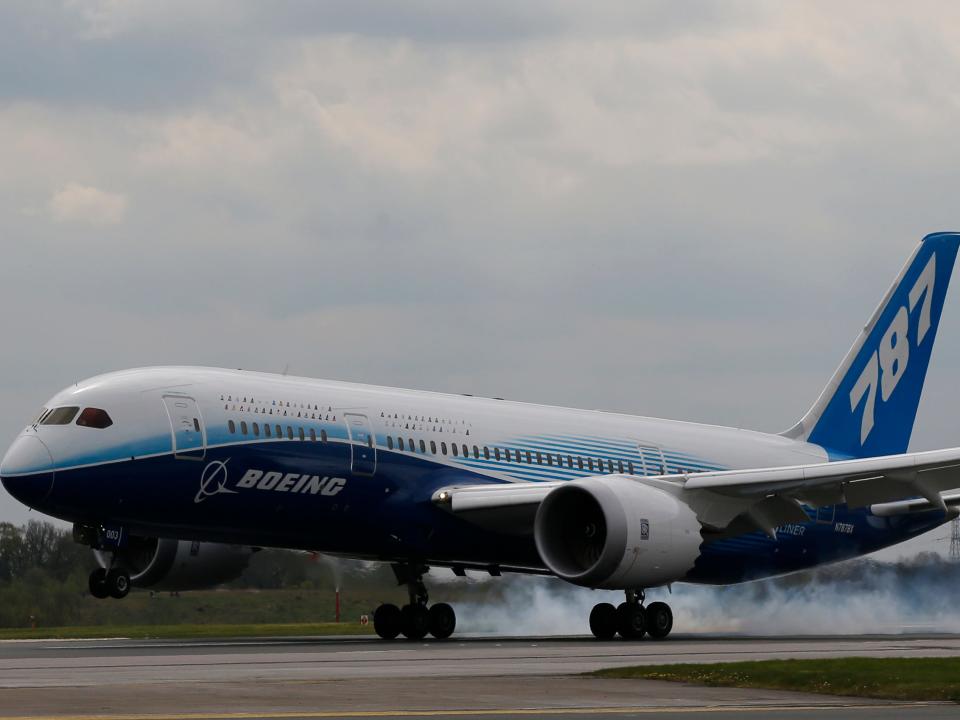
232 426
300 432
266 430
256 430
579 463
486 453
529 458
620 466
323 435
476 452
243 427
454 449
549 459
630 466
610 466
433 447
466 451
590 464
539 458
506 454
279 431
61 416
570 461
423 446
389 442
196 423
496 453
443 448
313 435
289 433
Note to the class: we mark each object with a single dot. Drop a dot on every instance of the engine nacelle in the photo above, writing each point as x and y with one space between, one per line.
165 564
616 533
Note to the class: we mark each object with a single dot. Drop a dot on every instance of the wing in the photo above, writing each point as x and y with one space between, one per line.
745 500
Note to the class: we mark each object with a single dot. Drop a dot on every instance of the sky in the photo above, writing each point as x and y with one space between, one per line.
684 210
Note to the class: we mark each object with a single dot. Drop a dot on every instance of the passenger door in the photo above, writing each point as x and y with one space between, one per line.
652 461
186 427
363 448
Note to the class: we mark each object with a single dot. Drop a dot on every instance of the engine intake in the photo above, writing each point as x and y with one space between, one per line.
615 532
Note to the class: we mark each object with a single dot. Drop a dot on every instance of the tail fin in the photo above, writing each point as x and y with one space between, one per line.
870 403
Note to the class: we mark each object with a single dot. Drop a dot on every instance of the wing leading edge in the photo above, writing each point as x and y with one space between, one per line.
763 497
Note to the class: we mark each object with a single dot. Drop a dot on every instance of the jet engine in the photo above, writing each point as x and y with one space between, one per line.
165 564
616 533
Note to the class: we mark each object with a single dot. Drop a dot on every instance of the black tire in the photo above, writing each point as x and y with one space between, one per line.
603 621
443 621
631 621
386 621
415 622
659 620
118 583
98 584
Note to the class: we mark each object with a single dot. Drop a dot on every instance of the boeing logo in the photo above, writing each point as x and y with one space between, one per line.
213 481
291 482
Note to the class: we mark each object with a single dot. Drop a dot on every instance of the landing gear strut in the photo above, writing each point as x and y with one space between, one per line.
110 581
417 618
114 583
631 620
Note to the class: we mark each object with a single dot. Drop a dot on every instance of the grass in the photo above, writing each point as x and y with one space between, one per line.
888 678
187 631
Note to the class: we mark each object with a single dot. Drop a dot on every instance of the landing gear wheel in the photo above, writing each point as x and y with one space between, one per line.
98 584
387 621
631 621
603 621
659 620
118 583
415 622
443 621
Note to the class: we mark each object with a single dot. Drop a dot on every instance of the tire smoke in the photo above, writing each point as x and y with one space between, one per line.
857 597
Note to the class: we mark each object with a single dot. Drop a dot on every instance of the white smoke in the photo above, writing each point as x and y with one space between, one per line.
535 607
864 597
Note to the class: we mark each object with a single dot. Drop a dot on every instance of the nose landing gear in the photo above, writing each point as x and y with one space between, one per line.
417 618
110 581
631 620
114 583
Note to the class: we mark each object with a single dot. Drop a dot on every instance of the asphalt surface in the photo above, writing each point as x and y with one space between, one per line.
362 677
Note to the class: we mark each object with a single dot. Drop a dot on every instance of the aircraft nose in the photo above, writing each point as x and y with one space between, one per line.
27 470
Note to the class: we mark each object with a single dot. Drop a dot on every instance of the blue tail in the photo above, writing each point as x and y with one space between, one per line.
870 404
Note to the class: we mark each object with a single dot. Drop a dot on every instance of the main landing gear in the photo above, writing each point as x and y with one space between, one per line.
631 620
417 618
114 583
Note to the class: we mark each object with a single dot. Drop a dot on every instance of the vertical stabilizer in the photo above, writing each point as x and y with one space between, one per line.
869 406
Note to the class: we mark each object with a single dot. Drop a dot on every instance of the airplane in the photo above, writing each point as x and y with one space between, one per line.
177 474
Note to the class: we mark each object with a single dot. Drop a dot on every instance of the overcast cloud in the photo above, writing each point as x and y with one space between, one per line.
675 209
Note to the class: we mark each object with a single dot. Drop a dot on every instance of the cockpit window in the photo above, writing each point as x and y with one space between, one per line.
94 418
60 416
36 420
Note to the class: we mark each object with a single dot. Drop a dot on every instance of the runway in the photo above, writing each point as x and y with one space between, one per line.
362 677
